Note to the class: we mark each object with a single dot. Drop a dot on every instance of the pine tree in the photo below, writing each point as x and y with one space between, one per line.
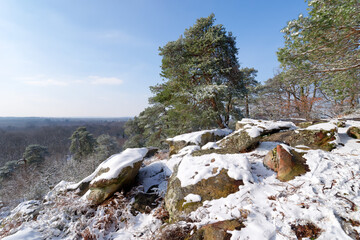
35 153
82 143
201 73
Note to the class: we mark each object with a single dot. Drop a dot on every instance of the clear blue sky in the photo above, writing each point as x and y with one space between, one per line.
82 58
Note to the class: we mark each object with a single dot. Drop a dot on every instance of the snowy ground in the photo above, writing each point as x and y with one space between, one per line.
328 196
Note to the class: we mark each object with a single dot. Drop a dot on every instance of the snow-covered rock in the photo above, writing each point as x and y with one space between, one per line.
199 138
117 172
204 178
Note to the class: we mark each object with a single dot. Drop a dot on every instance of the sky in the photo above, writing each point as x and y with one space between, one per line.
98 58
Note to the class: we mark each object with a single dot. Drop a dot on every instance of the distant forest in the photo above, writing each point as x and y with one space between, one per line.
37 153
17 133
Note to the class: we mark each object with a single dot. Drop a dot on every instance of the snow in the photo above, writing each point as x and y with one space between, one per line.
195 137
313 197
192 198
25 234
114 164
255 128
210 145
120 161
253 131
269 125
154 174
322 126
192 170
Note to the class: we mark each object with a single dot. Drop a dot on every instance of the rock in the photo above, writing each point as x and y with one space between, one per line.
286 162
217 231
240 141
313 137
215 187
265 127
144 202
116 173
309 123
249 132
101 189
353 132
199 138
176 146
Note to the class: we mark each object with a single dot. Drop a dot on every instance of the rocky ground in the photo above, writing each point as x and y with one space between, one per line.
265 180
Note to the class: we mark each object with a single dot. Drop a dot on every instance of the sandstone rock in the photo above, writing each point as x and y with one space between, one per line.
116 173
215 187
286 162
217 231
240 141
265 127
249 132
313 137
353 132
199 138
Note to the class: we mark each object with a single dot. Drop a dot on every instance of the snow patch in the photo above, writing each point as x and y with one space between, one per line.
194 169
192 198
195 137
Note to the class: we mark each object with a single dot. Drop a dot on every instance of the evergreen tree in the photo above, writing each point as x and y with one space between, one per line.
202 78
321 56
82 143
250 83
106 146
35 153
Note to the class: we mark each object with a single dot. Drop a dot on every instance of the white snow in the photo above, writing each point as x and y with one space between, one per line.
114 164
210 145
192 170
195 137
154 174
254 128
269 125
192 198
322 126
25 234
253 131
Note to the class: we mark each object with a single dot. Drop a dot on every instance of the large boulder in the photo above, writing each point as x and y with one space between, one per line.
199 138
353 132
319 136
218 230
286 162
208 177
115 173
249 132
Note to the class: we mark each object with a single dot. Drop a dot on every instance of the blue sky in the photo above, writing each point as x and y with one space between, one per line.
97 58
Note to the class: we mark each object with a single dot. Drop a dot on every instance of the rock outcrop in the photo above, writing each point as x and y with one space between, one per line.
249 132
353 132
204 178
320 136
286 162
116 173
199 138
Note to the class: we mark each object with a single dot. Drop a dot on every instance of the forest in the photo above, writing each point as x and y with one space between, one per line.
35 153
